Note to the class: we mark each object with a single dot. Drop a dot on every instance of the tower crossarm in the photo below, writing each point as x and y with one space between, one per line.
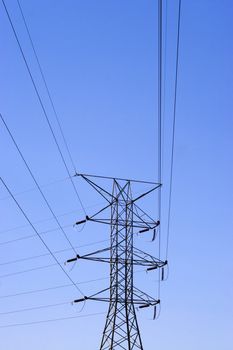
139 298
141 225
140 258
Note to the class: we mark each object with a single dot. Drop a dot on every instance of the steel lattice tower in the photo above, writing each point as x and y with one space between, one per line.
121 329
121 326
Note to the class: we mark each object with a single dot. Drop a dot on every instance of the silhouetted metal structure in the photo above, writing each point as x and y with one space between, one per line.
121 329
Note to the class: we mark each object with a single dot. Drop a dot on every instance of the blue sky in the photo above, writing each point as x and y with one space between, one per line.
100 62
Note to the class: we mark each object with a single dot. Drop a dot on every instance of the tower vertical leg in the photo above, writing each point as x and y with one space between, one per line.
121 329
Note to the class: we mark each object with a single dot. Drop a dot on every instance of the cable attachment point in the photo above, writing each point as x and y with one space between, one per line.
144 230
73 259
162 275
144 306
154 235
80 300
80 222
155 309
151 304
157 223
152 268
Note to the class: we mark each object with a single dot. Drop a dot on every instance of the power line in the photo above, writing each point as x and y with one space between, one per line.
51 320
51 288
44 220
160 67
46 85
36 222
35 291
31 236
173 127
34 308
31 269
42 105
28 270
164 78
45 254
48 254
41 239
34 188
35 181
46 232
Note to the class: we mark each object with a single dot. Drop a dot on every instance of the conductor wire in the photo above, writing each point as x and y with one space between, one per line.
35 181
173 128
39 236
160 67
46 85
42 105
50 320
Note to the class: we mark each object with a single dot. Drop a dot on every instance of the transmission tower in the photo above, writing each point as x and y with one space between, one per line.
125 219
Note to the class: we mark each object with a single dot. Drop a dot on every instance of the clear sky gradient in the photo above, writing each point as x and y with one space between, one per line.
100 62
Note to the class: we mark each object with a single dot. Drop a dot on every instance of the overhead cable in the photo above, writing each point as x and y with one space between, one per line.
41 290
35 188
33 235
10 274
50 320
173 126
39 236
164 78
35 181
41 104
34 308
35 291
160 75
46 84
47 254
44 220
